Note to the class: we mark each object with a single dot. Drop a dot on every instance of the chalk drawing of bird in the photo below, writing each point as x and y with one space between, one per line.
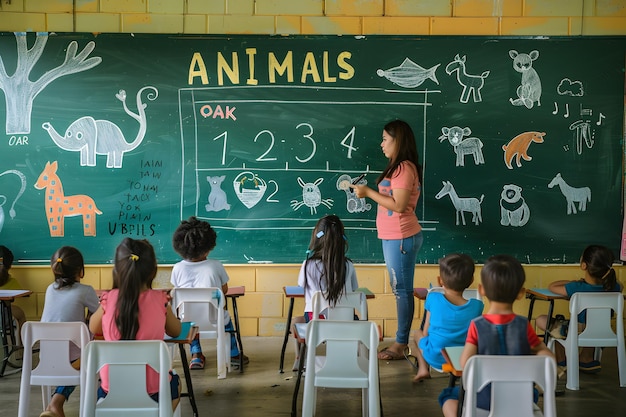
409 74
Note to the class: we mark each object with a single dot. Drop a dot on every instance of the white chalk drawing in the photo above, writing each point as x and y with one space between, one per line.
518 147
513 208
571 88
20 91
409 74
472 84
4 199
582 132
249 188
353 203
572 195
586 112
217 197
600 117
93 137
462 204
311 196
529 90
58 206
462 147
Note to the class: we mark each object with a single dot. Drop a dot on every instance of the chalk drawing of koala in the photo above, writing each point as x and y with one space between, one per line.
217 197
530 89
513 208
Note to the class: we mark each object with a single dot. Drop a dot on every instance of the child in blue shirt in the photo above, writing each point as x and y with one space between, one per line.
447 316
596 262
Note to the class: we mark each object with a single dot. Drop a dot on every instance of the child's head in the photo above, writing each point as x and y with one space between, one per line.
456 271
502 278
67 266
328 246
194 239
6 256
598 262
134 270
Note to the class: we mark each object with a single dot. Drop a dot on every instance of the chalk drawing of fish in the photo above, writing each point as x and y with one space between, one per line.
409 74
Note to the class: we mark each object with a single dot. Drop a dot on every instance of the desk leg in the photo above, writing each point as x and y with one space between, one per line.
190 394
546 335
8 336
294 400
530 307
238 333
287 332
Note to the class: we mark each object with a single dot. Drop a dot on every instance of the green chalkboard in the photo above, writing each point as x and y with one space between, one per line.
121 135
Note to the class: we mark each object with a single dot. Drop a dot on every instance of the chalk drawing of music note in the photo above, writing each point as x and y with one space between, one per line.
556 108
599 122
566 115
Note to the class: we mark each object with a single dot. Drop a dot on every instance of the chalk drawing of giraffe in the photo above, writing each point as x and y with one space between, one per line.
59 206
472 84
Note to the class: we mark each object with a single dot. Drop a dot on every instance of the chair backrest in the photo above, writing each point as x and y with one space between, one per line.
512 380
598 331
54 366
203 306
345 307
468 293
126 362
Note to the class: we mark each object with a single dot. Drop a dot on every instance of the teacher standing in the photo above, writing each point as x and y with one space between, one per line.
399 187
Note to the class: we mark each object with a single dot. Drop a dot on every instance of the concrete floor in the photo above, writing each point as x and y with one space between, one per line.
262 391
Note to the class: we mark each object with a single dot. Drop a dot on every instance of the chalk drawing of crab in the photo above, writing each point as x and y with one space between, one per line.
311 196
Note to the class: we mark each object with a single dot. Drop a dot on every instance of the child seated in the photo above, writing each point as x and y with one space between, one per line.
447 315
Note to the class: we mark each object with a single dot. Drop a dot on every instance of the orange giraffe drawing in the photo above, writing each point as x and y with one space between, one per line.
59 206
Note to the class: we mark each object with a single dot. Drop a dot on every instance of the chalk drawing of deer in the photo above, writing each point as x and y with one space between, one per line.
59 206
462 205
472 84
572 195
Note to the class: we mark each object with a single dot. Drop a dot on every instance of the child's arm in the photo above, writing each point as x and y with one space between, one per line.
558 287
469 350
542 349
95 321
172 324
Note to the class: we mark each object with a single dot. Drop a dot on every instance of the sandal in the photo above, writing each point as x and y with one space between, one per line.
197 362
234 360
389 355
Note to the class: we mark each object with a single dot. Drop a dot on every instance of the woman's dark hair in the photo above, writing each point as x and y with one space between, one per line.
135 268
67 264
329 246
599 261
194 238
7 261
405 147
502 277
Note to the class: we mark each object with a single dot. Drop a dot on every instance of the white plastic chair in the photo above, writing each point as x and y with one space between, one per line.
468 293
127 394
597 332
54 366
205 307
342 366
512 380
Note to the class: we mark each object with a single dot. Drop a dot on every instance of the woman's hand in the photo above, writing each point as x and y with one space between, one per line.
361 190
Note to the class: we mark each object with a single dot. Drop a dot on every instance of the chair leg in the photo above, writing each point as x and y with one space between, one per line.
294 400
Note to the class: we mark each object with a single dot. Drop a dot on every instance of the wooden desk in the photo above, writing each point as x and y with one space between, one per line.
9 341
545 295
187 334
293 292
232 294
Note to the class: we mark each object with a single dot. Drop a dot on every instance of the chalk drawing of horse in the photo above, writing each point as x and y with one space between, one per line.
572 195
462 205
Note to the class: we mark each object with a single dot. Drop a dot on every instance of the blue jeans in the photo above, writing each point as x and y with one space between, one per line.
400 256
234 350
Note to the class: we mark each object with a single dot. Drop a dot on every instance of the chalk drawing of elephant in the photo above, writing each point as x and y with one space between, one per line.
93 137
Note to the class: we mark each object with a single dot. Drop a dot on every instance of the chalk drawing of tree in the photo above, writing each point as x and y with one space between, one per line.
20 91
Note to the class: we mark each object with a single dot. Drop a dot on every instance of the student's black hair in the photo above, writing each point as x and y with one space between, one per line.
329 246
67 265
599 260
7 261
502 278
405 147
135 268
194 238
456 271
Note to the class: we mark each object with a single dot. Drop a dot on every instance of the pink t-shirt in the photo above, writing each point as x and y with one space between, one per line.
152 312
390 224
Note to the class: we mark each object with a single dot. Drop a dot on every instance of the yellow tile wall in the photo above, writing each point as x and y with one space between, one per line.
263 310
